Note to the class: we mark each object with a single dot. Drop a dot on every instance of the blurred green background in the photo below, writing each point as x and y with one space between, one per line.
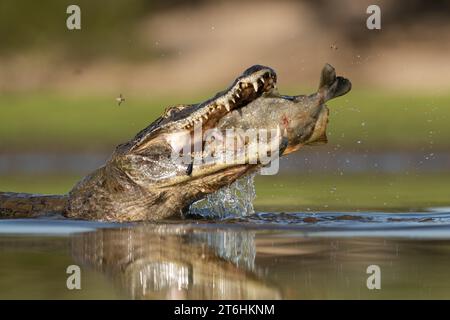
388 139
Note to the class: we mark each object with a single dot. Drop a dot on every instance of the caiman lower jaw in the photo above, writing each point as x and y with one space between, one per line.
220 169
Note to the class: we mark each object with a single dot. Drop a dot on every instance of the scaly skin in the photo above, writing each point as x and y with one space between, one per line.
141 181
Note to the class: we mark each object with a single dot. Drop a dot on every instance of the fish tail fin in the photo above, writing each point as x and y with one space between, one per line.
331 86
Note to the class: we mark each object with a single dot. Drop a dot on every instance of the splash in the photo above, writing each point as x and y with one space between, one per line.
235 200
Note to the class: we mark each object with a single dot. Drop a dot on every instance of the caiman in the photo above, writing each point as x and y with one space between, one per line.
142 180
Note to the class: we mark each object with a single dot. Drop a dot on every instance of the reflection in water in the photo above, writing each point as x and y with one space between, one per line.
297 256
175 262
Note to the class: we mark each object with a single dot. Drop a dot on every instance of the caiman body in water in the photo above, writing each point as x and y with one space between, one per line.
143 181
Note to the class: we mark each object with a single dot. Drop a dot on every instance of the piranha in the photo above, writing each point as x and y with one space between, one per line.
144 178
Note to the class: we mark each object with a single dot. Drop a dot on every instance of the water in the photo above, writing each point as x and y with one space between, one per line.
235 200
260 256
236 252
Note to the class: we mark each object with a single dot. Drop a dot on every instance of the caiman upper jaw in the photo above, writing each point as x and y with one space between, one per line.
254 82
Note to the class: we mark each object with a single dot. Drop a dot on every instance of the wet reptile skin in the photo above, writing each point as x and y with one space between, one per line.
140 181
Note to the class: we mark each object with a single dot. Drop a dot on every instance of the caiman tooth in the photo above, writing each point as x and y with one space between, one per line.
244 84
237 94
232 99
255 86
262 80
219 106
227 106
205 116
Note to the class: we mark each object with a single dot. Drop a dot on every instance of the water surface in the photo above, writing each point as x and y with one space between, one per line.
262 256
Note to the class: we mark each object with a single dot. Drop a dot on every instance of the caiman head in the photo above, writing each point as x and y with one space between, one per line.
193 150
